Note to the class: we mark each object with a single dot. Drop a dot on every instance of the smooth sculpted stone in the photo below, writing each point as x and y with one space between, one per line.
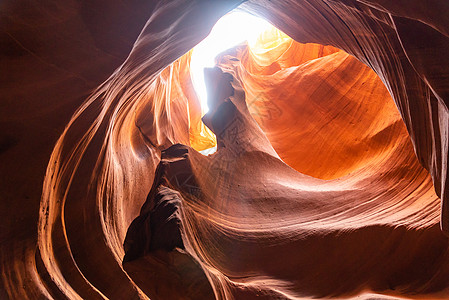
155 256
330 179
157 226
253 223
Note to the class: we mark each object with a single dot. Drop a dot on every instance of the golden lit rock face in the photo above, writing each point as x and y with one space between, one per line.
325 113
75 174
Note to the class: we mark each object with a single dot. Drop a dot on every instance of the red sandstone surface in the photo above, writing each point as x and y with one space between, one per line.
330 179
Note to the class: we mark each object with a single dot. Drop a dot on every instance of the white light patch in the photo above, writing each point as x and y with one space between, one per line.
231 30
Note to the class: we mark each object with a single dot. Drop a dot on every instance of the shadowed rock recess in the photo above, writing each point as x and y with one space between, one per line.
330 178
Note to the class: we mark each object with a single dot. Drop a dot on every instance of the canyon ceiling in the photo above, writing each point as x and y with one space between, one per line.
99 126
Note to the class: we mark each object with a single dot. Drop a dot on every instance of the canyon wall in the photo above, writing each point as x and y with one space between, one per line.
92 93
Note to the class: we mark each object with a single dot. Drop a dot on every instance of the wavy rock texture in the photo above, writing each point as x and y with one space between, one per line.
355 215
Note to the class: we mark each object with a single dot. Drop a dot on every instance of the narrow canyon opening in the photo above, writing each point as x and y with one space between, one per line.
293 89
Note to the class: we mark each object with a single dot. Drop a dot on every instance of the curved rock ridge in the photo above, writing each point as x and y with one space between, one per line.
325 113
260 229
352 214
391 43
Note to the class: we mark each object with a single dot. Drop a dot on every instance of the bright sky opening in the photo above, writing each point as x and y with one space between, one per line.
231 30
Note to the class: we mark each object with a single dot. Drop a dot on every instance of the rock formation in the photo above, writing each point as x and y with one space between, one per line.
322 186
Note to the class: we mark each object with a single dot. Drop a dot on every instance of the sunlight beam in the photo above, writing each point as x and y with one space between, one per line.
231 30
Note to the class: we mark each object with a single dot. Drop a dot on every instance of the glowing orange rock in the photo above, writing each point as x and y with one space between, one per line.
380 219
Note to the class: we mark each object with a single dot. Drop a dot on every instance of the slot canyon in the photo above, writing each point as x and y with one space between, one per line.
319 169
